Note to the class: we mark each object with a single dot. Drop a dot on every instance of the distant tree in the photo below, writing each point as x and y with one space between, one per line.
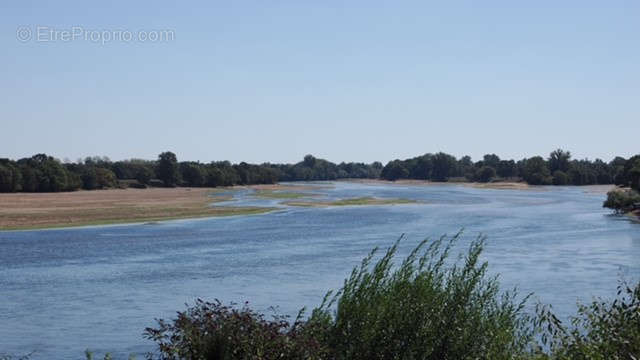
536 171
143 174
30 177
581 173
89 178
560 178
634 174
105 178
10 177
48 174
309 161
486 174
444 165
630 175
491 160
506 168
394 170
422 167
603 171
559 160
94 177
192 174
168 169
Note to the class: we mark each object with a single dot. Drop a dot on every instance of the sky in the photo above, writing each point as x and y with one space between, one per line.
271 81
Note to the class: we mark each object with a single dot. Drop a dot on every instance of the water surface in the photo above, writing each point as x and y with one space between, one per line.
65 290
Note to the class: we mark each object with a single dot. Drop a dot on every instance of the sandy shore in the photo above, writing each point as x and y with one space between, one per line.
45 210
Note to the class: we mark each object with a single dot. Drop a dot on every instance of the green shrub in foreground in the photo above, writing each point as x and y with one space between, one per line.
427 307
601 330
424 309
421 309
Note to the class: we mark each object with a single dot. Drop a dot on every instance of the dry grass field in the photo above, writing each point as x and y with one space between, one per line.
45 210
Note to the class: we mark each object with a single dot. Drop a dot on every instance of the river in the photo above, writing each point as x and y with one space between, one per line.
65 290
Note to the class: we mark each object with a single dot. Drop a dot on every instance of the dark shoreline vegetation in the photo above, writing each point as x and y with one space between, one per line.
42 173
429 306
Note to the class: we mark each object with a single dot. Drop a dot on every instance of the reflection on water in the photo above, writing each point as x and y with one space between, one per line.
62 291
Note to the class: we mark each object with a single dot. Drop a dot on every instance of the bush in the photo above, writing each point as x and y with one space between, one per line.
426 308
601 330
622 200
486 174
422 309
216 331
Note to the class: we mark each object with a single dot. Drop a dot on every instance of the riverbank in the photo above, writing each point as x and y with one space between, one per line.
24 211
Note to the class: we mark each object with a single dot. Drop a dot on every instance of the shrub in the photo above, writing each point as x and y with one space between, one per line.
427 307
421 309
424 309
486 174
622 200
216 331
601 330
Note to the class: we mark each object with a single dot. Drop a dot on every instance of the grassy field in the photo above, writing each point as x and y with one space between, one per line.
49 210
350 202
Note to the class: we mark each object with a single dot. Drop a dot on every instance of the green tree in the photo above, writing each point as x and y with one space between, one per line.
309 161
143 174
559 160
486 174
633 173
491 160
622 201
394 170
422 167
560 178
506 168
105 178
168 169
536 171
444 166
193 174
10 177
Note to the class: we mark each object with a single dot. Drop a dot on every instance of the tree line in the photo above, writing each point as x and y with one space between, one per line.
43 173
557 169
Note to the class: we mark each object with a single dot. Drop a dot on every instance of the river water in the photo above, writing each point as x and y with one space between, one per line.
63 291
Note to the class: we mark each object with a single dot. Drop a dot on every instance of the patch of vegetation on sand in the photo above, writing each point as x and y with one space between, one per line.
500 185
351 202
276 194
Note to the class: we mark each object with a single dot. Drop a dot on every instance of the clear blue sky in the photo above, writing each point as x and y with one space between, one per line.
347 81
